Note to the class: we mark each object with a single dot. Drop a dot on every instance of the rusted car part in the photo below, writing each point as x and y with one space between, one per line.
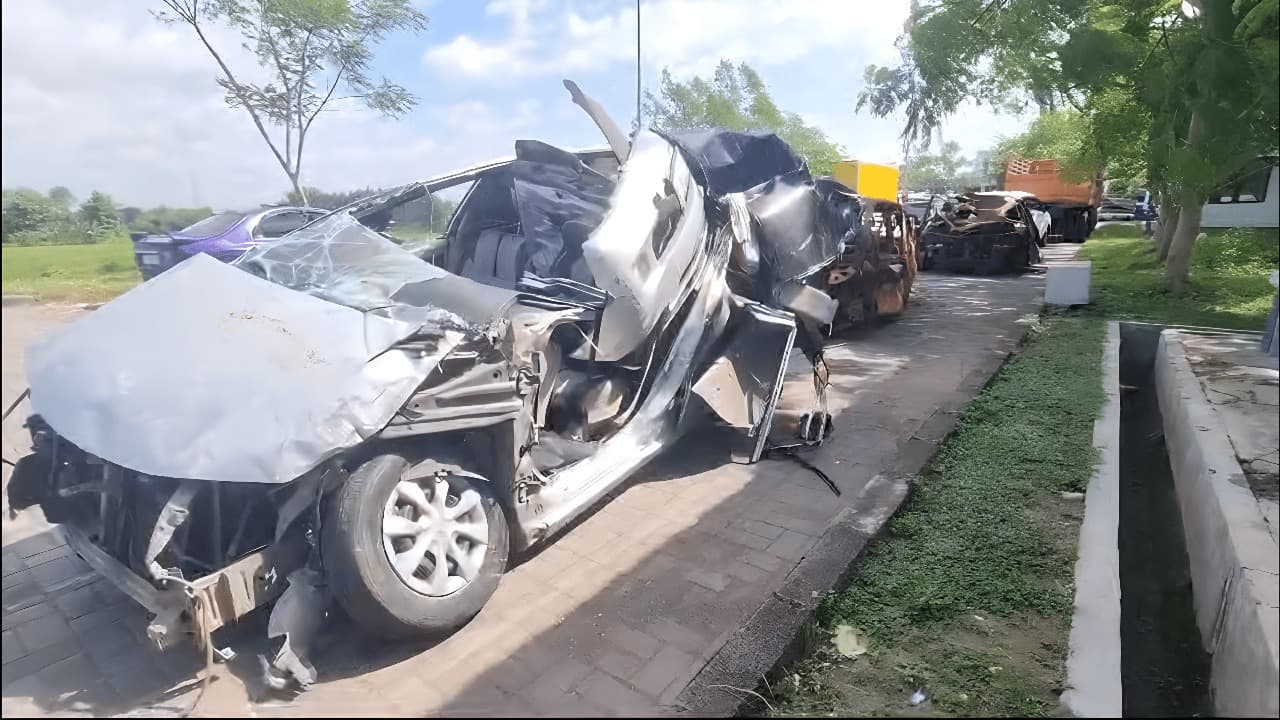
335 415
985 233
877 265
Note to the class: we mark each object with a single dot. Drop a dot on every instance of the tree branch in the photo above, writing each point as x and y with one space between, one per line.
264 36
302 79
191 17
302 131
327 95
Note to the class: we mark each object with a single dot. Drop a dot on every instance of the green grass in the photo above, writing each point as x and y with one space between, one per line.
976 570
81 273
1228 288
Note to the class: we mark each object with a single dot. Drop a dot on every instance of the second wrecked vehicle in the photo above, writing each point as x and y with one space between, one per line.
985 233
332 414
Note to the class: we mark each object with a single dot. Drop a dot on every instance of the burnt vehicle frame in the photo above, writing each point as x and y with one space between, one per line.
985 233
585 309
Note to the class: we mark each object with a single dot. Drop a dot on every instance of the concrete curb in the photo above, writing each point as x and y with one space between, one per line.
1235 571
1093 659
8 300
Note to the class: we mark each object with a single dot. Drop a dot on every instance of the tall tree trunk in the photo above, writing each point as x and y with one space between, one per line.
1178 264
1170 211
297 187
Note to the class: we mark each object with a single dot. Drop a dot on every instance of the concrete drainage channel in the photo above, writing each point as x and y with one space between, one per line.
1176 583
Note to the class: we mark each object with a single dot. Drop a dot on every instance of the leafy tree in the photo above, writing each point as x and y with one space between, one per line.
946 170
1057 134
1186 98
25 211
309 48
162 219
735 98
61 197
99 217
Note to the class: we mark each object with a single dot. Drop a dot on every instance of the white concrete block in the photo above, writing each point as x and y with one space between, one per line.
1068 283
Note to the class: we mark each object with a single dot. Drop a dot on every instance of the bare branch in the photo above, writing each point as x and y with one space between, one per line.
325 101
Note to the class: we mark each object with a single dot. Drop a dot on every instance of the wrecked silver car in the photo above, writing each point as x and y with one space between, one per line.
333 415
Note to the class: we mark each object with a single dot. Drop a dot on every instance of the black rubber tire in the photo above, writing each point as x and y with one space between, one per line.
361 577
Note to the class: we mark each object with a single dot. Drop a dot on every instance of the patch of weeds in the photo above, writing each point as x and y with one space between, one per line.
82 272
1228 285
976 569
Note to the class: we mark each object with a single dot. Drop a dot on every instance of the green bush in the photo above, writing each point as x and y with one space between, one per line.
163 219
68 233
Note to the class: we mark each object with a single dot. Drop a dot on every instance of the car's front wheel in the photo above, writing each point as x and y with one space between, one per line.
414 549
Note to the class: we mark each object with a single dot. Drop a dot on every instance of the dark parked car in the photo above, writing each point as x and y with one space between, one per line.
225 236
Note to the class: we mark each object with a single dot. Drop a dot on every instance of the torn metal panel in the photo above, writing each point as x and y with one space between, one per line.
726 161
655 422
793 242
296 618
808 302
743 385
172 516
641 252
612 133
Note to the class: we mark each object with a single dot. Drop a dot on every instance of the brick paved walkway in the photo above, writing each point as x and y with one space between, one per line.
617 616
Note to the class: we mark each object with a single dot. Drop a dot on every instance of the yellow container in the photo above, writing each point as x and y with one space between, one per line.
869 179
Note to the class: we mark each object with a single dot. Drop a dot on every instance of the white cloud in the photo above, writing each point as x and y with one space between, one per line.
464 56
689 36
129 106
476 115
469 58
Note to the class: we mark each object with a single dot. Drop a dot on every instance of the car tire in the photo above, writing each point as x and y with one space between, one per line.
357 556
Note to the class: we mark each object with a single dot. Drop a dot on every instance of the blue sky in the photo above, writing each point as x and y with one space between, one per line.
128 105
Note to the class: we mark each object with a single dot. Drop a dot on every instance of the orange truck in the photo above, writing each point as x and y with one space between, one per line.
1073 207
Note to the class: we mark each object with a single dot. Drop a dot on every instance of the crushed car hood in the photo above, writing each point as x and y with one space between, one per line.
209 372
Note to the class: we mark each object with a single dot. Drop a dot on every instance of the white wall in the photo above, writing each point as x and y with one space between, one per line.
1263 214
